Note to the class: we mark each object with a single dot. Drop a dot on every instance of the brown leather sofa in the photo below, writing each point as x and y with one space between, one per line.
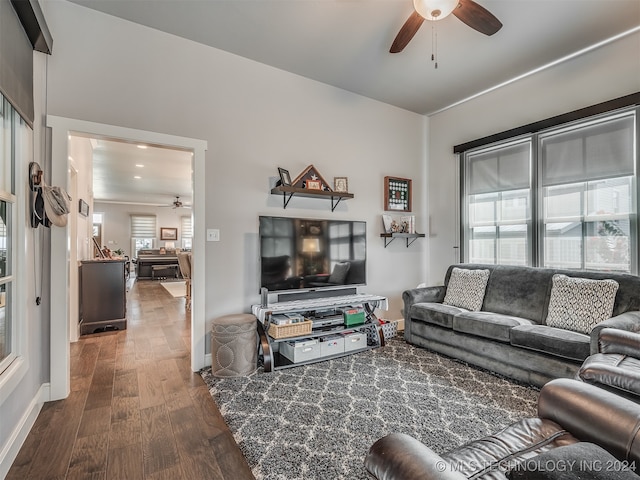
582 431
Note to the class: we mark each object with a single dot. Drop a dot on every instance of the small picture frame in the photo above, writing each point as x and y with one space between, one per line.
168 233
314 185
340 184
397 194
285 178
83 208
386 223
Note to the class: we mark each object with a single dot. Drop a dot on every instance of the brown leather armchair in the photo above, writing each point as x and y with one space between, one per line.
616 366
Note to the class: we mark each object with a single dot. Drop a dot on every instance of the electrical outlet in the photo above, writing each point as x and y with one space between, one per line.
213 234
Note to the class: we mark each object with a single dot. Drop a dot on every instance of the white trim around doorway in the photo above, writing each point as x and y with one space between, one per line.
61 128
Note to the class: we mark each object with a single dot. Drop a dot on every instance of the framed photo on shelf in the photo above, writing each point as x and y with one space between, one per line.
168 233
285 178
314 184
397 194
340 184
386 223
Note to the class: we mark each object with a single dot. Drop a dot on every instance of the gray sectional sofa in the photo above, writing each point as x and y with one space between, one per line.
509 335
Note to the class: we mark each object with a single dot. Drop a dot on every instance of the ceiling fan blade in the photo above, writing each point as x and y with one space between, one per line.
407 32
477 17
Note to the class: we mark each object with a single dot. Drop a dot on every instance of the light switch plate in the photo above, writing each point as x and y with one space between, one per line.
213 234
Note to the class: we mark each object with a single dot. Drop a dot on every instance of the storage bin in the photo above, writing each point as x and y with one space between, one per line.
331 345
301 350
353 316
354 341
290 330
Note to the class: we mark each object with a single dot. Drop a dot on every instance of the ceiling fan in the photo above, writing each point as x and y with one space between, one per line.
474 15
177 203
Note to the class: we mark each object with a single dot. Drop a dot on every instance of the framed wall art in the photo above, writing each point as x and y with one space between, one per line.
83 208
285 178
168 233
340 184
397 194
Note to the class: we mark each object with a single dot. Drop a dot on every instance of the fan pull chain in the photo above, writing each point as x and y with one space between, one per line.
434 43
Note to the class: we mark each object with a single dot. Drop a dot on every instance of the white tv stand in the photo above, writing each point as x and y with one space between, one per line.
274 361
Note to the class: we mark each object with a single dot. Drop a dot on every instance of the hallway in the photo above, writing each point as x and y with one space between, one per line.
135 411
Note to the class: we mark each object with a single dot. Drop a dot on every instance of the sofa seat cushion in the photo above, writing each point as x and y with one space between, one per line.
551 340
578 461
435 313
489 457
487 324
613 370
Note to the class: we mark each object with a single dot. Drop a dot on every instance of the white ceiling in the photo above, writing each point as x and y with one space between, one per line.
345 43
163 174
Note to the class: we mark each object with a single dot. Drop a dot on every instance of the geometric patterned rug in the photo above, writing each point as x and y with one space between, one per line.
318 421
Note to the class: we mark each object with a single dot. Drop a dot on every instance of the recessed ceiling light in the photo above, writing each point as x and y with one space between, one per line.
137 177
142 146
139 165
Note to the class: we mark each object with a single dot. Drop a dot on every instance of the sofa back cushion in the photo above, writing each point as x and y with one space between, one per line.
516 291
525 291
579 304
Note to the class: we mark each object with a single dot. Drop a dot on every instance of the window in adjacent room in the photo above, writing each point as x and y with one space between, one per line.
187 232
143 232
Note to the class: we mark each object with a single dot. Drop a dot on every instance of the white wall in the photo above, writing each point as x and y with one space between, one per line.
609 72
254 118
117 223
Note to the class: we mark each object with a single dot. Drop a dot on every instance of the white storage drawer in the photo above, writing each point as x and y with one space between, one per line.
331 345
354 341
301 350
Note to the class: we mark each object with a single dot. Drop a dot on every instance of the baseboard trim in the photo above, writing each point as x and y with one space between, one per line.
14 442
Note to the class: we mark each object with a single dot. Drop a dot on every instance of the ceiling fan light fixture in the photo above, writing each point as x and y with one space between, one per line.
435 9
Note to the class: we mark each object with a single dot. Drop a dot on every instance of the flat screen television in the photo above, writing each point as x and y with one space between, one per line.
311 253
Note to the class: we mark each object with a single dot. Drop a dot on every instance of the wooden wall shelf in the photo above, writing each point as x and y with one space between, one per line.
288 192
410 237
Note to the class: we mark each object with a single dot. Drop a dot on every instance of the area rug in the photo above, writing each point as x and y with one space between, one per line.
177 289
318 421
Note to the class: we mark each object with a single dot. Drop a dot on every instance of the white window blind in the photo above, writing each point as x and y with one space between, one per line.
499 170
600 150
143 226
185 227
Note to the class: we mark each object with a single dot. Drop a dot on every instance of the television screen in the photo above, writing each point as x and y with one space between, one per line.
306 253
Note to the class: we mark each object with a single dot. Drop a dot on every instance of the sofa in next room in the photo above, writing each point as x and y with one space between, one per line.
512 330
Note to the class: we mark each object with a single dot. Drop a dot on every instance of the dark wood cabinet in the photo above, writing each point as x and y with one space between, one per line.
103 296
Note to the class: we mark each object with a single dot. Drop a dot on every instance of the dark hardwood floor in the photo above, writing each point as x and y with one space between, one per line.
136 411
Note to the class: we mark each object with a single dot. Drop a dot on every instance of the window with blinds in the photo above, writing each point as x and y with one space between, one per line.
143 232
187 232
588 180
565 197
498 204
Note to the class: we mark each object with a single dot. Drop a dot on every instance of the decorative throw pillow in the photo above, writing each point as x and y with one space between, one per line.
339 274
466 288
579 304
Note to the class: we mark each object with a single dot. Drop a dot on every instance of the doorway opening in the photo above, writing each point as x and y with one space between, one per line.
62 129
